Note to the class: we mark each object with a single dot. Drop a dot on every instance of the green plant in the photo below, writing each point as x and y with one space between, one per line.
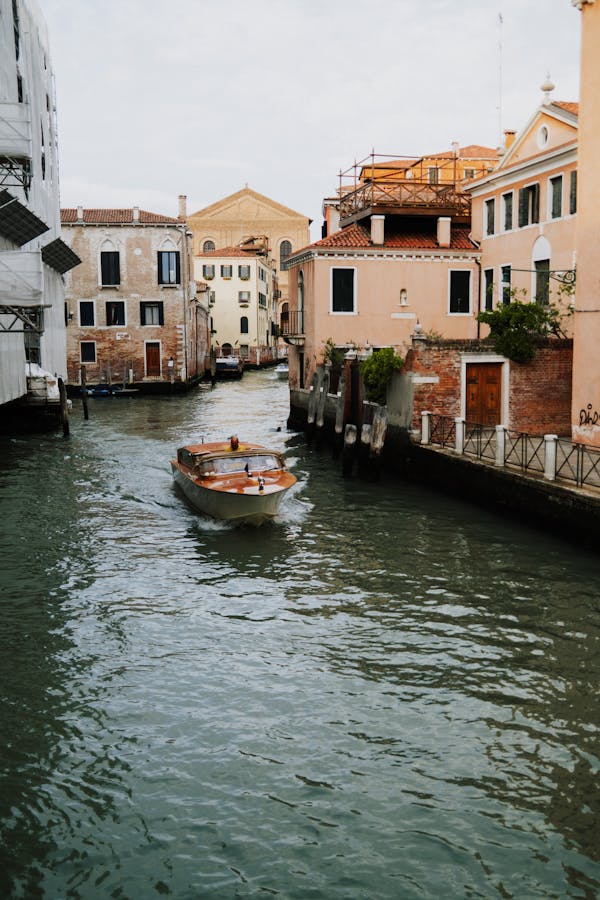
376 372
332 354
515 326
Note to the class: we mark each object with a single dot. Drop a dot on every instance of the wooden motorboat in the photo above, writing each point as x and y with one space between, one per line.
229 367
230 480
282 370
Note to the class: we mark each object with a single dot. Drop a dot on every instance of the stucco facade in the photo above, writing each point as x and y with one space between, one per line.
241 300
132 307
586 368
246 213
524 214
32 258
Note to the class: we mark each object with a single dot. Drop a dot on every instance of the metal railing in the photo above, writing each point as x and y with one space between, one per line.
292 321
556 459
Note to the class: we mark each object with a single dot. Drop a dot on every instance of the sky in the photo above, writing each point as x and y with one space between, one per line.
202 98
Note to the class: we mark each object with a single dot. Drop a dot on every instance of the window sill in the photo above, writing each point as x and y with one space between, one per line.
110 287
161 286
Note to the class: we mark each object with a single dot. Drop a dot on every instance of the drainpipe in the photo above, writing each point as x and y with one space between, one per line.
478 263
185 284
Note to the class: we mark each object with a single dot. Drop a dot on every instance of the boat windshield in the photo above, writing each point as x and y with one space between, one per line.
228 465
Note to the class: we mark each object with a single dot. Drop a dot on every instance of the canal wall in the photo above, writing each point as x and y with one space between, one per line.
570 512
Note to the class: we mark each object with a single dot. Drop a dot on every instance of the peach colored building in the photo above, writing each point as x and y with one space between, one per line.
523 213
377 280
586 368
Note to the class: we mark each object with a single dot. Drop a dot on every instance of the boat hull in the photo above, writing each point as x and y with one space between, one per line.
242 506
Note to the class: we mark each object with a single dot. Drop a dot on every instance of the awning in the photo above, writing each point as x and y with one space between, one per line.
60 256
17 222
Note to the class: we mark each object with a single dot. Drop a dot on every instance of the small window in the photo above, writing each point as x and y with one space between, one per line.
469 173
556 196
207 246
573 193
151 313
433 175
244 351
507 203
115 312
542 282
87 318
490 214
244 325
244 273
208 272
262 299
506 284
244 296
529 205
168 267
87 351
110 268
285 248
488 280
342 290
460 292
226 271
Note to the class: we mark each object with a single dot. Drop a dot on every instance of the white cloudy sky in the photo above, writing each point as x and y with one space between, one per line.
199 98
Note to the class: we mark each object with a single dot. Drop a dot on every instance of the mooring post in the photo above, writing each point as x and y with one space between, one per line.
109 378
550 445
349 451
338 439
64 407
425 427
86 414
459 432
500 445
364 449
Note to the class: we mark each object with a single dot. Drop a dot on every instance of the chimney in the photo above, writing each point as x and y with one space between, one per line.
377 230
136 214
182 214
509 138
443 231
80 213
333 220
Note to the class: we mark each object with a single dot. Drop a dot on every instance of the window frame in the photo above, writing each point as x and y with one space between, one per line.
505 285
454 272
87 361
145 305
246 298
224 268
208 245
573 192
108 258
284 252
205 275
246 330
342 312
488 289
244 268
508 211
529 205
115 303
92 304
176 280
489 217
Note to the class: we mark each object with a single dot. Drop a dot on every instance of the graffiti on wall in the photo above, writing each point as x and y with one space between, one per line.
589 416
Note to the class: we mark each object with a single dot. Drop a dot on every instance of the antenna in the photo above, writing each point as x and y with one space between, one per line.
500 53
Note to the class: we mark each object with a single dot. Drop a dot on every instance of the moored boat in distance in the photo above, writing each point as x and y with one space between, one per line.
282 370
229 367
234 481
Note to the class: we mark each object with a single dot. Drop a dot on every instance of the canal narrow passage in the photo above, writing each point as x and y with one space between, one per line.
384 694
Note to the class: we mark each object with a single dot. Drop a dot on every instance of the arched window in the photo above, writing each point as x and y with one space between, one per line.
208 245
244 325
285 248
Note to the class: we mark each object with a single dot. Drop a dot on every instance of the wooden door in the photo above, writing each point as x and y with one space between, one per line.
152 359
484 393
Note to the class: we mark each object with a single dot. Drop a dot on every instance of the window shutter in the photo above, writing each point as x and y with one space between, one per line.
177 270
522 207
535 203
573 193
142 314
161 314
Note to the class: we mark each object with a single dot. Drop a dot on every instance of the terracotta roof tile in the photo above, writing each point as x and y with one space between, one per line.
358 237
238 252
115 217
567 105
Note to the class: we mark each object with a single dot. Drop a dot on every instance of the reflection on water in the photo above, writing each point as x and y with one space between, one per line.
384 693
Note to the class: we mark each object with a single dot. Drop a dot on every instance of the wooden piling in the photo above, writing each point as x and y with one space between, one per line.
109 378
349 451
321 404
378 432
338 439
84 394
64 407
313 398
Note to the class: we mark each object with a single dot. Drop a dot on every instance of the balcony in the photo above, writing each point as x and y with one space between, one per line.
292 326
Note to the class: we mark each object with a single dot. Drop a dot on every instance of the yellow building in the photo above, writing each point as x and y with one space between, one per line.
234 219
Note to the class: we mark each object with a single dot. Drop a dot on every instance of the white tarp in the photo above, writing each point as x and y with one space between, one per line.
21 277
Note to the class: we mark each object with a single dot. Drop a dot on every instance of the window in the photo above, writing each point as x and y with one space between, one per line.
168 267
226 271
208 272
507 203
87 351
433 175
262 274
244 272
115 312
529 205
244 351
244 325
244 296
556 196
343 290
207 246
505 272
86 313
488 280
151 313
460 292
573 193
109 268
469 173
262 299
285 248
490 215
542 282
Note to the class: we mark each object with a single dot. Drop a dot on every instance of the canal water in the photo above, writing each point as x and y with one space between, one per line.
384 694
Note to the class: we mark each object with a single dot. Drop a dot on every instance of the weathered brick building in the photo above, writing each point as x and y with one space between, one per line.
132 310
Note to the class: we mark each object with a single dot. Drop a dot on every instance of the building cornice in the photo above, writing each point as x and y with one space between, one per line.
357 253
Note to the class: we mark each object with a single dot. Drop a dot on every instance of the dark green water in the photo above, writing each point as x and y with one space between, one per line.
385 694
